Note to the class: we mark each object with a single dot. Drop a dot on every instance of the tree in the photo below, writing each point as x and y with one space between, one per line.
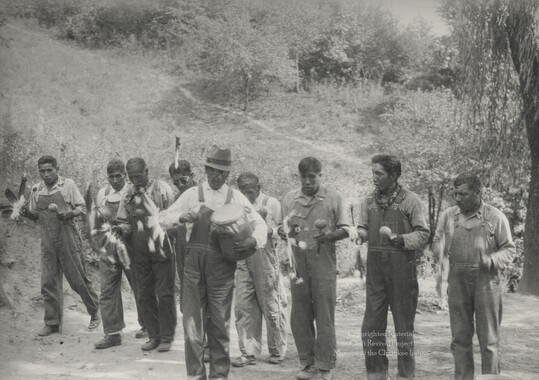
236 50
500 85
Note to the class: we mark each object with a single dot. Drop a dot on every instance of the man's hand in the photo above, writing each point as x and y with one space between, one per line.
188 217
397 241
485 261
281 233
25 211
68 215
117 230
245 245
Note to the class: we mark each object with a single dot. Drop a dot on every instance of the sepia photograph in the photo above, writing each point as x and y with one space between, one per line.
269 189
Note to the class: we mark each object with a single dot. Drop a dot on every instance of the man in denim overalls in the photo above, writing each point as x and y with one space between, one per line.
391 269
112 312
314 291
56 201
208 275
477 239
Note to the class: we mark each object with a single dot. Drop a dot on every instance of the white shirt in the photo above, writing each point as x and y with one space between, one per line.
213 199
113 196
273 207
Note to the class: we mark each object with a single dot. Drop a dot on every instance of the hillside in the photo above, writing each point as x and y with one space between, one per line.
89 105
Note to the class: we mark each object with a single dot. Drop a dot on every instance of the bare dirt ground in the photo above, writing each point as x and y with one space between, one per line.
71 354
31 90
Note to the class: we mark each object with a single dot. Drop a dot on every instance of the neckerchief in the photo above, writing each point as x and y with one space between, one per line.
392 195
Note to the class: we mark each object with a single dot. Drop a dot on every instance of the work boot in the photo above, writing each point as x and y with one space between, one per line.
164 346
95 321
243 360
142 333
206 354
48 330
307 373
108 341
150 345
323 375
276 359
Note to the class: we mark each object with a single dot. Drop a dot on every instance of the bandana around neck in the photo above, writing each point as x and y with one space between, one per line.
384 204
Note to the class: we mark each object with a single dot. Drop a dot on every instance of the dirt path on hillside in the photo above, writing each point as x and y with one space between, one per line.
71 353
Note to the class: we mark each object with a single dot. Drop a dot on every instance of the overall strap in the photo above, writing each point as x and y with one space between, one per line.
107 190
200 194
229 196
265 201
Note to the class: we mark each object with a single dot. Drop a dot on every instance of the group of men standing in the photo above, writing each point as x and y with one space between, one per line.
474 235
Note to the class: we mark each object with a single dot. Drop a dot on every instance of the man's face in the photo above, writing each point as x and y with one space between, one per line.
48 173
182 180
216 177
138 176
310 182
116 179
380 178
466 199
251 191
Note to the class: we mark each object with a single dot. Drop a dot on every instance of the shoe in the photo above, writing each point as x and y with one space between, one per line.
48 330
95 321
307 373
164 346
206 354
142 333
276 359
150 345
323 375
108 341
243 360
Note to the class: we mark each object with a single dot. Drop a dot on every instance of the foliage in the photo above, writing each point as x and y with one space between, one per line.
425 130
498 49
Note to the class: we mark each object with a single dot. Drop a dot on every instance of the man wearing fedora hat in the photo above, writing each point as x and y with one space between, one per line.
208 275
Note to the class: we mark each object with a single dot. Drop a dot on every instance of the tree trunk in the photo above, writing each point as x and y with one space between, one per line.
525 57
297 73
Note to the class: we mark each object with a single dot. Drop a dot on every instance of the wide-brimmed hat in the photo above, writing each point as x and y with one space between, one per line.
220 159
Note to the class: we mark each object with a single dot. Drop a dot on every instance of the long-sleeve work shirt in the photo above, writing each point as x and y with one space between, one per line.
213 199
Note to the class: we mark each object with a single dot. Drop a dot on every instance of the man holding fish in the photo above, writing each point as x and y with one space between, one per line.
56 202
393 222
153 254
315 218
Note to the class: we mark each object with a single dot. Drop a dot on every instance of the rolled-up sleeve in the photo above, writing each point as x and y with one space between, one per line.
342 219
419 235
123 217
505 247
170 218
260 228
274 218
363 220
73 196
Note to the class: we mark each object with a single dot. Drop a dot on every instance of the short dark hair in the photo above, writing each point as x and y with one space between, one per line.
310 164
184 166
115 164
247 178
472 179
390 163
47 160
137 162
